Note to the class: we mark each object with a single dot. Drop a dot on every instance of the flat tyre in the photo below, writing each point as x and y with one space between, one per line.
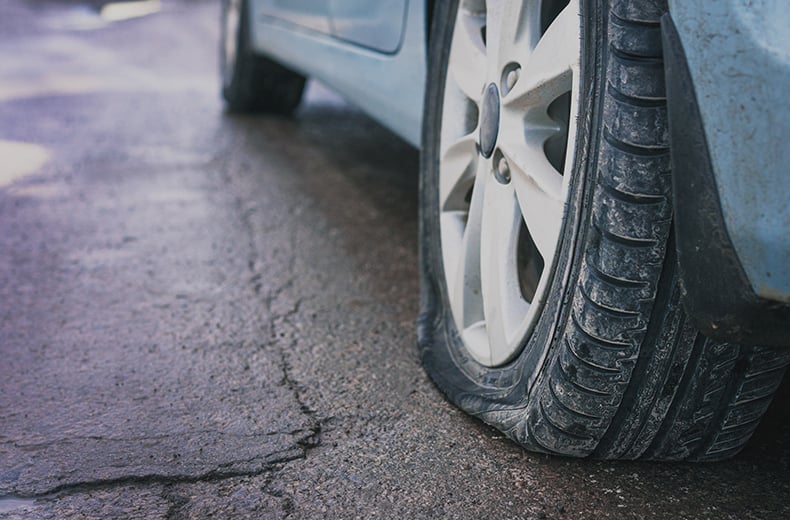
550 298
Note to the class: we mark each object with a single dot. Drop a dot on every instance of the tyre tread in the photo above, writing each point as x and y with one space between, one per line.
659 409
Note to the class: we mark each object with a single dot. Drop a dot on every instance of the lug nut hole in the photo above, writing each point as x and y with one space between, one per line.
501 169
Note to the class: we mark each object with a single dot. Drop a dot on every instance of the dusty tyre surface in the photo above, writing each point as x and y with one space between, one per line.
252 83
550 303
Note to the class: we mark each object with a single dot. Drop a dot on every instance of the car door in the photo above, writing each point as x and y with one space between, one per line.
375 57
377 25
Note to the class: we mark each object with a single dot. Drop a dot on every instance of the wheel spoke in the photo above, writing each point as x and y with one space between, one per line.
548 70
464 283
457 171
519 32
540 196
467 61
503 305
525 152
493 23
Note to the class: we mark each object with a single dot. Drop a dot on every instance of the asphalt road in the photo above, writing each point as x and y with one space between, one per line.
213 316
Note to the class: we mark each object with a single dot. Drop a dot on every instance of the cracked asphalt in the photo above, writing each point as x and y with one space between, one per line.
207 316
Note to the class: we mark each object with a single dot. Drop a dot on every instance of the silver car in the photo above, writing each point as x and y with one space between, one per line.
604 220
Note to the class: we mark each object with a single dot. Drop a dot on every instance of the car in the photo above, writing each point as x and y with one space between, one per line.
604 246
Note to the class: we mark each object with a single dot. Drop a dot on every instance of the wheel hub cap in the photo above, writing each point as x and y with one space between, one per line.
489 120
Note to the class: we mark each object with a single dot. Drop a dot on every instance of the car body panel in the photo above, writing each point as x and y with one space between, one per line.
389 86
738 54
378 25
309 14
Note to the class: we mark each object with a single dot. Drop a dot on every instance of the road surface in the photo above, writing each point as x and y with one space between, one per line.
204 315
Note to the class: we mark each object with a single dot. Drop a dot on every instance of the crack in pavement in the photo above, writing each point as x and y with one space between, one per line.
269 298
306 438
215 475
66 440
313 440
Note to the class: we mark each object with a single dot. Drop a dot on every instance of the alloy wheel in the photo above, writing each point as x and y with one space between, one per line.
506 152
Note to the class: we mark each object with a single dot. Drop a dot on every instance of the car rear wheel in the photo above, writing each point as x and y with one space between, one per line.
550 300
250 82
